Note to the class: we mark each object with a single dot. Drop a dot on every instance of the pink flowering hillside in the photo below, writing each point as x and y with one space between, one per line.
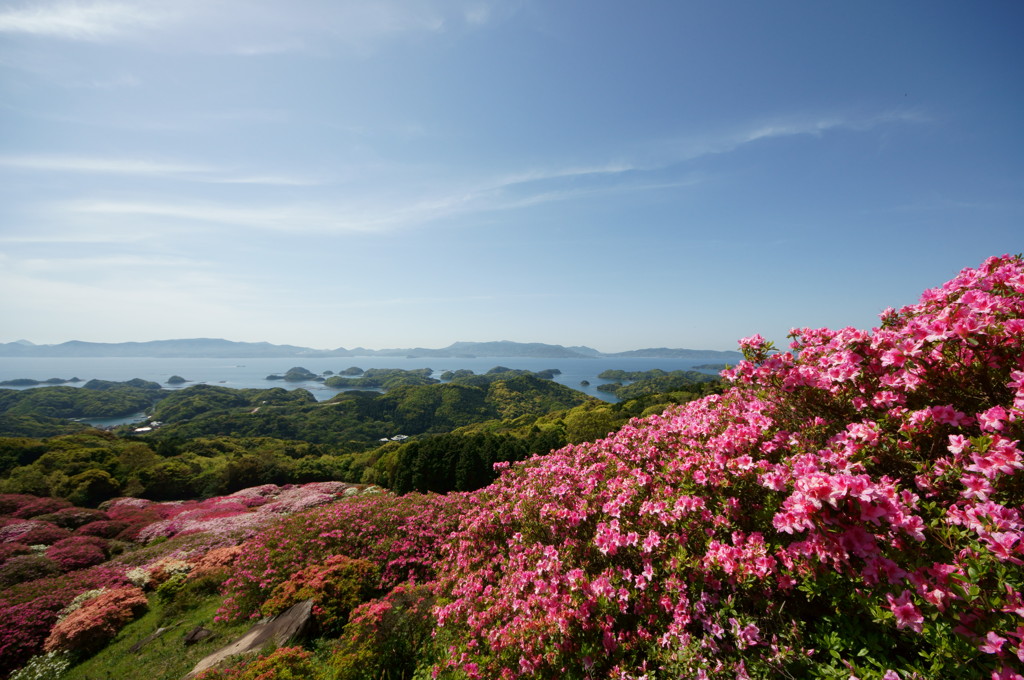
848 509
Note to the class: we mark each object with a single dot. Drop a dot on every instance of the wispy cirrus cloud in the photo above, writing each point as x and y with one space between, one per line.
89 21
691 147
386 212
190 172
385 201
242 27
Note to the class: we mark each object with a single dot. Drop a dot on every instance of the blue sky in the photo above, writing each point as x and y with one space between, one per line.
398 174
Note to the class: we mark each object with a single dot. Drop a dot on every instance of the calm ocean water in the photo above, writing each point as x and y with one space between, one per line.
247 373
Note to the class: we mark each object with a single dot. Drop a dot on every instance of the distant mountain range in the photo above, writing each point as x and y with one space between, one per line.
216 348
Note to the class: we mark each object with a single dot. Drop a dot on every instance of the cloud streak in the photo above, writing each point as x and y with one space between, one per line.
242 27
693 147
94 21
190 172
342 208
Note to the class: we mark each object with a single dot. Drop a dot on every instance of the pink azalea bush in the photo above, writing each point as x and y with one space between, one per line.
10 503
403 535
241 513
9 550
850 508
40 506
78 552
40 533
110 528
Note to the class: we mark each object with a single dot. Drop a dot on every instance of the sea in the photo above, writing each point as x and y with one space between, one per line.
253 372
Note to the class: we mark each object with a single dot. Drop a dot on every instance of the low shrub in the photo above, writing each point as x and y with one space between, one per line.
78 552
28 610
284 663
44 667
40 506
108 528
166 568
97 621
30 567
43 533
170 587
385 639
336 587
217 561
9 550
403 534
73 518
10 503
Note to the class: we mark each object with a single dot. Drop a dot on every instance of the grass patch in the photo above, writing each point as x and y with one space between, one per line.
167 657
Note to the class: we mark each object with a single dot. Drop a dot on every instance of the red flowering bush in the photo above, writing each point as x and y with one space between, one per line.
10 503
97 621
848 509
110 528
40 506
9 550
336 586
403 535
136 512
284 663
78 552
43 533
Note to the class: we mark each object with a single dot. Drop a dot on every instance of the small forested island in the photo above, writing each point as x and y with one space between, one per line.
848 509
29 382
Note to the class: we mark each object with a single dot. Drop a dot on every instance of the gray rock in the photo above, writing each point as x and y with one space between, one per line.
284 628
197 634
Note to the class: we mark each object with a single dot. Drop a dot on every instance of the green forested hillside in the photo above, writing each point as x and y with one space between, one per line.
215 440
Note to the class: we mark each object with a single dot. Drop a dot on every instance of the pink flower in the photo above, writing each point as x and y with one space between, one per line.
907 614
993 644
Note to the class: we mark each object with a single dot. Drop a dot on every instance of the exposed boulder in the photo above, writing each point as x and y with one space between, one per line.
281 630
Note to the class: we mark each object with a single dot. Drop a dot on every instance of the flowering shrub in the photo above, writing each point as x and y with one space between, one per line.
848 509
167 568
336 587
401 534
10 503
40 506
216 561
97 621
21 568
73 518
9 550
78 552
43 533
385 639
28 610
110 528
44 667
284 663
137 513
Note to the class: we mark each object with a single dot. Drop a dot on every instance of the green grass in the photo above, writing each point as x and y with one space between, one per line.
167 657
